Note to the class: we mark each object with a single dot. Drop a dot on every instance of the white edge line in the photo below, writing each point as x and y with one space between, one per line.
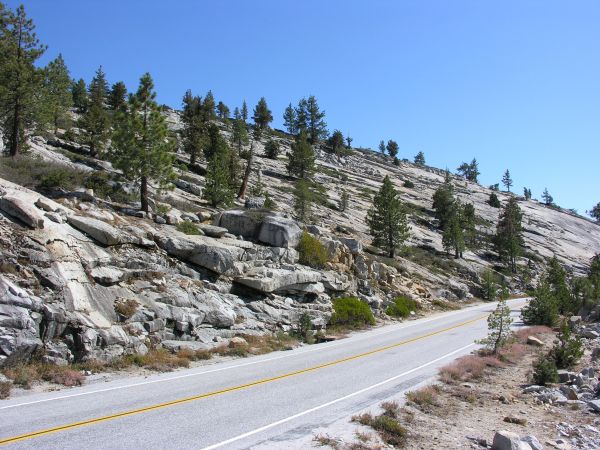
250 363
332 402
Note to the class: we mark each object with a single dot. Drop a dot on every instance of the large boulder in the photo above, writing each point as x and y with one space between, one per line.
507 440
279 232
263 226
100 231
22 210
269 280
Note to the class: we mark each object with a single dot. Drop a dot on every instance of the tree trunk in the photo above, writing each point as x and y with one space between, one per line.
144 194
244 185
14 141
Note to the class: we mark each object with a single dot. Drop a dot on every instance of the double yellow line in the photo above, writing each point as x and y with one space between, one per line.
132 412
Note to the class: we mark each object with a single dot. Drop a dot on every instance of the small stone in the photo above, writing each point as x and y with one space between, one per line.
532 340
160 220
515 420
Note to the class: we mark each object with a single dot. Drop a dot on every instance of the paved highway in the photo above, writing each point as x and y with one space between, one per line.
266 401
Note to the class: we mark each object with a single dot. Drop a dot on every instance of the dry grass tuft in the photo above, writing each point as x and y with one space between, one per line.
25 375
426 398
536 330
513 353
467 368
5 388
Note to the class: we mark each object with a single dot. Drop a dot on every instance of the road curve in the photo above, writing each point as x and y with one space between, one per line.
263 401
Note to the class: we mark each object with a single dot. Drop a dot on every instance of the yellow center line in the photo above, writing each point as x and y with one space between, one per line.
193 398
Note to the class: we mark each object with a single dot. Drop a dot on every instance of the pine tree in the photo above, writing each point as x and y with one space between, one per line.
527 193
489 285
289 119
194 127
392 148
382 147
244 111
453 235
316 126
56 98
595 212
239 135
507 180
301 162
498 327
79 95
547 198
272 149
96 120
141 148
468 224
349 142
469 170
237 115
509 235
303 199
302 116
208 107
336 142
493 200
218 190
117 98
443 201
262 115
420 159
19 79
222 111
557 280
542 308
387 219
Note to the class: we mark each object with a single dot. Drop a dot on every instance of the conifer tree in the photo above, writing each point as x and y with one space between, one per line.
194 127
493 200
468 224
79 95
301 161
392 148
542 308
141 147
208 107
117 98
237 115
382 147
262 115
498 327
595 212
271 149
56 98
222 111
302 116
557 280
218 190
344 200
349 142
527 193
420 159
507 180
443 201
303 199
469 170
96 120
547 198
239 135
387 219
289 119
489 283
509 235
316 126
19 79
453 236
336 142
244 111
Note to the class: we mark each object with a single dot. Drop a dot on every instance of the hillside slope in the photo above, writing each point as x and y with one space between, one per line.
84 274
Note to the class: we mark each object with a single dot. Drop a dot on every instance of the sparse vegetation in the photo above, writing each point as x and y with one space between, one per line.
544 371
466 368
25 375
126 308
5 388
424 398
188 227
401 307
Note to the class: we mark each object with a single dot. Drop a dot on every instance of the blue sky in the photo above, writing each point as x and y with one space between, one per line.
514 83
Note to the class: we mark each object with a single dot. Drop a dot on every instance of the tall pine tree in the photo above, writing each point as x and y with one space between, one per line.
301 162
117 96
387 219
56 98
19 79
96 120
141 147
509 234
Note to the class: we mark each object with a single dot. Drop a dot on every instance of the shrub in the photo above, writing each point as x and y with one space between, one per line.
401 307
390 430
60 178
25 374
187 227
542 309
494 201
425 398
311 250
409 184
468 368
5 388
351 312
544 371
272 149
567 350
156 359
126 308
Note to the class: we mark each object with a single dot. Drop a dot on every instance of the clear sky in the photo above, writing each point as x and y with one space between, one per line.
514 83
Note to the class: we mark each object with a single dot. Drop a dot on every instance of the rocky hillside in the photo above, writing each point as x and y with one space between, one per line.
84 274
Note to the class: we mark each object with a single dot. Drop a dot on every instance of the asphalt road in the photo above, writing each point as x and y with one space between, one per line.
266 401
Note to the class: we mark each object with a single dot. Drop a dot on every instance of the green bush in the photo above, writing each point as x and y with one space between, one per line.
494 201
312 252
187 227
544 371
401 307
567 350
409 184
542 309
60 178
271 149
351 312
